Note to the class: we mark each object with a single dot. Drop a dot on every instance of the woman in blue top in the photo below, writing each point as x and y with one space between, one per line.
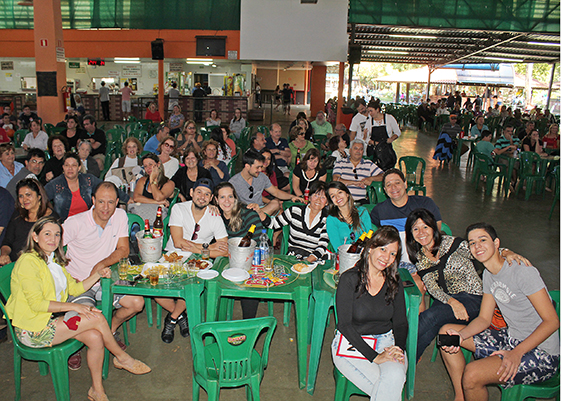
478 128
345 222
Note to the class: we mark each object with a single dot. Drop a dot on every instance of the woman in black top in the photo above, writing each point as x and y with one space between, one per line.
307 172
186 176
31 205
154 187
73 133
57 146
371 303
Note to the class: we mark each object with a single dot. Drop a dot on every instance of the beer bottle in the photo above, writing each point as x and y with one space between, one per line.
158 224
147 233
361 245
246 240
354 247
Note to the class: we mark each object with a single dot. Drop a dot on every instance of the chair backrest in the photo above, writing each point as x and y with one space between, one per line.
530 163
232 164
375 192
5 280
264 130
19 136
484 163
167 232
135 218
555 299
114 134
445 229
236 344
413 168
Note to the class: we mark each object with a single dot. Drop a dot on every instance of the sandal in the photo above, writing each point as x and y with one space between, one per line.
93 396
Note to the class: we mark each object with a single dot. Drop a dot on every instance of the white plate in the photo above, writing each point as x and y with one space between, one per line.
208 266
207 274
149 265
307 270
236 275
184 256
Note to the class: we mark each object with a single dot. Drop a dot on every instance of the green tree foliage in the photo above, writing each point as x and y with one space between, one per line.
541 71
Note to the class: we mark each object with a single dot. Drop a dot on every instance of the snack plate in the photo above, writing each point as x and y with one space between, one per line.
207 267
150 265
184 256
307 270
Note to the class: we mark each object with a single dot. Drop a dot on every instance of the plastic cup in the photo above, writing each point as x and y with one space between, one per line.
123 268
154 277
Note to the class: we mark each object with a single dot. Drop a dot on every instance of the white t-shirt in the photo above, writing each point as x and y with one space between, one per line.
210 226
358 124
171 167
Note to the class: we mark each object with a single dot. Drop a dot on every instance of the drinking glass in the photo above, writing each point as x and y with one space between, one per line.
154 277
123 268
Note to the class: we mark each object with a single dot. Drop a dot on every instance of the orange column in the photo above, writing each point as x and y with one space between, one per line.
317 87
48 38
306 74
161 107
340 92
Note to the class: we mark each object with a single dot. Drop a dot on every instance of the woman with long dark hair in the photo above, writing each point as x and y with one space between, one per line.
224 150
346 221
371 303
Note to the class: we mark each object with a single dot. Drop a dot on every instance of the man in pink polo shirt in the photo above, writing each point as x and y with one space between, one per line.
96 239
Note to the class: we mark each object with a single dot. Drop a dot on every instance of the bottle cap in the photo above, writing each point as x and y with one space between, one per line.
252 228
369 235
263 231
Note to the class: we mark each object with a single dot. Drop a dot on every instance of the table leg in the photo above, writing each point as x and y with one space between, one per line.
107 310
323 302
412 335
511 162
301 299
192 298
212 301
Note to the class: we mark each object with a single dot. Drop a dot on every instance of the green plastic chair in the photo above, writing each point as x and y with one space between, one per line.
55 357
485 166
546 389
48 128
556 197
375 192
19 136
264 130
232 164
445 229
531 172
231 360
413 168
57 130
114 135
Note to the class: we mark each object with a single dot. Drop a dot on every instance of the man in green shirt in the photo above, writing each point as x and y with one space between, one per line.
321 126
484 145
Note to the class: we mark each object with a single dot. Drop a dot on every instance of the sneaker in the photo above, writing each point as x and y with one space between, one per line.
169 327
75 361
117 338
183 324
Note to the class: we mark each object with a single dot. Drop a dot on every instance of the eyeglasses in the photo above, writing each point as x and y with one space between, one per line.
356 175
33 161
195 235
191 127
453 118
168 145
250 192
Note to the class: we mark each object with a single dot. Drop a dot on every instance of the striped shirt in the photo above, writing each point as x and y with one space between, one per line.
502 142
347 171
304 240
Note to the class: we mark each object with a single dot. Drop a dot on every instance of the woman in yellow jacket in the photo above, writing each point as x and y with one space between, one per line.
40 314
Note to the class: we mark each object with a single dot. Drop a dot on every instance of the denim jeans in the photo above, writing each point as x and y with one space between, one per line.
383 382
439 314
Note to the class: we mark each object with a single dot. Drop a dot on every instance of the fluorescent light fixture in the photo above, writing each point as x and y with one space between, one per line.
413 36
199 60
126 59
386 52
544 43
127 62
511 60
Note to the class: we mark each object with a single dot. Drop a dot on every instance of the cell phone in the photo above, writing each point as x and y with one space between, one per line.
408 283
447 340
124 282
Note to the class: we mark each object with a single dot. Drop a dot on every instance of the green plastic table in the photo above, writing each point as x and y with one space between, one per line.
323 297
190 289
297 291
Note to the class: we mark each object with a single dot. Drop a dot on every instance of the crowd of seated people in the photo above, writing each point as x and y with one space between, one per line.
65 197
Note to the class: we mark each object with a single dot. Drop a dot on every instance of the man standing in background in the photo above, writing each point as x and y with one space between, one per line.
104 99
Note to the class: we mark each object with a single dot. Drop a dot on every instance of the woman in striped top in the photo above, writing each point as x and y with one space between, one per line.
308 228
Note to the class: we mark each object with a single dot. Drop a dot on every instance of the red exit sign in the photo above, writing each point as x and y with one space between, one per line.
96 62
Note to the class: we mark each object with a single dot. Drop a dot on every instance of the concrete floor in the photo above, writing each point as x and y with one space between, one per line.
522 226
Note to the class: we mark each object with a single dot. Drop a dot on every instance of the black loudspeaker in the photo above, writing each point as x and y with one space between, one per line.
46 83
355 53
158 49
214 46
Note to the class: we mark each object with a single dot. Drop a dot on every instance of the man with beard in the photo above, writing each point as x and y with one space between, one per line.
191 225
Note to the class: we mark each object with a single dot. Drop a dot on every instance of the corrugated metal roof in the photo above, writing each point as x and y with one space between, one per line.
434 46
